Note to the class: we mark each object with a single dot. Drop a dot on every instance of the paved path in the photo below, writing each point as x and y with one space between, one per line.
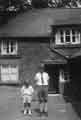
11 107
60 110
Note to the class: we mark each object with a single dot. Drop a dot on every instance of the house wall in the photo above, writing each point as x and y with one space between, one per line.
29 57
32 53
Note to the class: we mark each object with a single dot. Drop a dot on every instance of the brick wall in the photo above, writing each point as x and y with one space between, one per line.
31 54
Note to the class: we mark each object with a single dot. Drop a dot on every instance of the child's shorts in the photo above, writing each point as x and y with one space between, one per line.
27 98
43 94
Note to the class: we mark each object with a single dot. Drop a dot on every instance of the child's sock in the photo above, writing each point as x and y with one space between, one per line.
25 111
45 107
30 112
41 107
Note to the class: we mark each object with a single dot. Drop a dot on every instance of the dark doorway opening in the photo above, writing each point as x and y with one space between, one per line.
75 73
53 72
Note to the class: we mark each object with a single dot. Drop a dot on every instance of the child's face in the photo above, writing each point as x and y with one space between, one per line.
27 84
41 70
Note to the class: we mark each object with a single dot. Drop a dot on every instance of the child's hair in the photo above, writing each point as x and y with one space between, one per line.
26 83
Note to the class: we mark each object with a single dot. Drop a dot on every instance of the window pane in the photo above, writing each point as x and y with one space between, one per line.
67 32
75 36
13 77
5 77
4 45
13 46
73 32
62 36
73 39
7 46
4 48
67 36
61 32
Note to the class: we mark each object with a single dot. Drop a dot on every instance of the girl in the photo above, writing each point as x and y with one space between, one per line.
27 95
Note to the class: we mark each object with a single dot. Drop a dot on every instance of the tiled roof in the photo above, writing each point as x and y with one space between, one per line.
62 55
77 54
69 17
36 22
69 53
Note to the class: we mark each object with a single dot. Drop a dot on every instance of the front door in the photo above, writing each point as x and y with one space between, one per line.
54 78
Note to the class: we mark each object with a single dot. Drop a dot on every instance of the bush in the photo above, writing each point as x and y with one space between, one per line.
40 3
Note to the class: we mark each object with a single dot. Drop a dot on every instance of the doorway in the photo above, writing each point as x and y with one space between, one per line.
53 72
75 73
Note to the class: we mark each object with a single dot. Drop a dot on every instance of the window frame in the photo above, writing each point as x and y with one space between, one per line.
9 72
58 37
4 47
67 35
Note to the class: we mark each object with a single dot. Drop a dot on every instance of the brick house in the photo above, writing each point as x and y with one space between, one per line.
53 39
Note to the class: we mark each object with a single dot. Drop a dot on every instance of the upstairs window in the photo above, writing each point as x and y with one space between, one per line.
9 47
67 36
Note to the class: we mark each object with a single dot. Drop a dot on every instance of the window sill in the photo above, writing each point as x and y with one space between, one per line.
10 56
67 45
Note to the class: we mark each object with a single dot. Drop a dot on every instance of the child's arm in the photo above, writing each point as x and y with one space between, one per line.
32 92
22 90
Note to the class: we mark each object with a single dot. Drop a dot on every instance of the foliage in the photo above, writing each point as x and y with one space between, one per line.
40 3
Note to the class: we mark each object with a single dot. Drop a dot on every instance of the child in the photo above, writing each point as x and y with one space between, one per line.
27 95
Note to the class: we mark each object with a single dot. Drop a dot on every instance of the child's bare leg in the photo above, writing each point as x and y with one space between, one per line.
25 108
29 109
45 106
41 106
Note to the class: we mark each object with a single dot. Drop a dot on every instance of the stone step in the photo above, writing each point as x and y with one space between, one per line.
55 99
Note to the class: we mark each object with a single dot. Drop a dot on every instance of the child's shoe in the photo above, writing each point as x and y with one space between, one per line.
25 112
46 113
30 112
40 113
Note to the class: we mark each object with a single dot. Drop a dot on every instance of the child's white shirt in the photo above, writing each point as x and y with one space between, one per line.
27 91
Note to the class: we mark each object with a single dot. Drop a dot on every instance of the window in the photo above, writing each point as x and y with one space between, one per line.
9 47
64 76
9 73
67 36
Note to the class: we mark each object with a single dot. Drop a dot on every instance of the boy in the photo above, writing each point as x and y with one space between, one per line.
42 79
27 94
